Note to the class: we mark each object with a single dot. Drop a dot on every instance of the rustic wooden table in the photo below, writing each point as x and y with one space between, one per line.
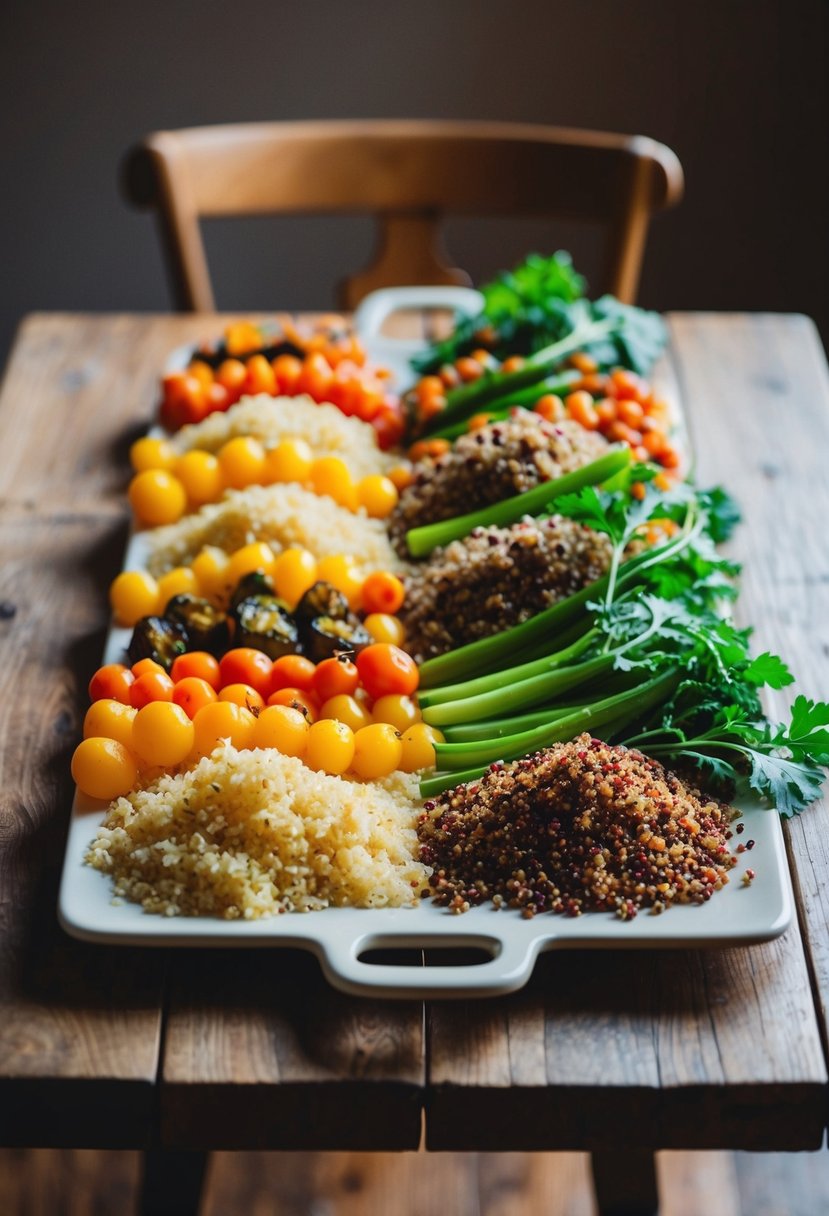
619 1054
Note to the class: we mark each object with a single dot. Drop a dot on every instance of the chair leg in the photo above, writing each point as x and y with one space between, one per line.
172 1183
625 1183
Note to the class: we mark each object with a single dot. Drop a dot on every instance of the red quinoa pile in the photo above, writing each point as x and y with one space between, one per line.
579 826
492 463
496 578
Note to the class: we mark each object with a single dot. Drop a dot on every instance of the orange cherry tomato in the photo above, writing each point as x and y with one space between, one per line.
112 682
335 677
630 412
579 406
292 671
316 377
287 369
260 378
192 693
196 664
297 698
244 665
244 695
383 592
152 686
386 669
232 375
145 665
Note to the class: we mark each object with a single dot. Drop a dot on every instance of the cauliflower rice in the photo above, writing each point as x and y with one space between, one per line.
255 833
271 419
283 515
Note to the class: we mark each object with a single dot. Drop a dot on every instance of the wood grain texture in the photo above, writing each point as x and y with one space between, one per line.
261 1053
79 1027
683 1049
761 385
42 1182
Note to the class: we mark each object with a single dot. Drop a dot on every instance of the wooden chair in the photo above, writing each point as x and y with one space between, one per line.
408 173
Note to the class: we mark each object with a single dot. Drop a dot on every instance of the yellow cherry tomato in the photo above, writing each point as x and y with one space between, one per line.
339 570
223 720
103 768
377 495
294 571
282 728
242 462
290 460
330 746
399 711
162 734
157 497
201 475
385 628
330 475
107 719
345 708
256 556
179 581
133 594
377 751
242 694
418 747
149 453
210 567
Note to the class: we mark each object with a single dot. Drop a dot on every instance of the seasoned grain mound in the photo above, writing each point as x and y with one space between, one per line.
254 833
270 419
578 826
282 515
495 578
489 464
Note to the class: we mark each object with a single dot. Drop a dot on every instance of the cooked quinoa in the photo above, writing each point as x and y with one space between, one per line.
283 515
487 465
270 419
255 833
495 578
579 826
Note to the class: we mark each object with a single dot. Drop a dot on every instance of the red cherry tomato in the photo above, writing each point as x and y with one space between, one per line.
111 682
335 677
292 671
244 665
386 669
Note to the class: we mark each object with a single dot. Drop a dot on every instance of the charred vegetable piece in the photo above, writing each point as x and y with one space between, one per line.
325 636
264 623
255 583
156 638
322 600
206 626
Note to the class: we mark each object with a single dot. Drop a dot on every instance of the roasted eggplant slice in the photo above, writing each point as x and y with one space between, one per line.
207 627
321 600
159 639
325 636
264 623
255 583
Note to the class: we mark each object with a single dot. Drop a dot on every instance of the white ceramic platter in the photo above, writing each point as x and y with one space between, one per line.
340 937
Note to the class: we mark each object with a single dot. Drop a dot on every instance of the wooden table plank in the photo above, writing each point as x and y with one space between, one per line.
260 1052
762 385
675 1049
79 1026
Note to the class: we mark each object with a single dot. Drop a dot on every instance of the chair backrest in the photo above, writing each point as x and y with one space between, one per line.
408 174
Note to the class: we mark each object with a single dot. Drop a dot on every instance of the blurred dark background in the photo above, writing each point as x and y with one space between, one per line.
738 88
